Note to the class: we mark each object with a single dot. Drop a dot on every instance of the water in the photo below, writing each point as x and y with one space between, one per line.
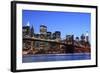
55 57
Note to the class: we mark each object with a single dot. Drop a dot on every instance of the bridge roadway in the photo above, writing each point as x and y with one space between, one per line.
52 41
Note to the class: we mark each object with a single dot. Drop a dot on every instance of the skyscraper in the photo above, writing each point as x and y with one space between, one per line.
26 30
26 33
49 35
43 35
56 35
53 36
43 31
82 37
70 39
77 39
87 37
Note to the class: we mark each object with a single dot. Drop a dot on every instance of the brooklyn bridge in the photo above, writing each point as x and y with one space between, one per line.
46 42
48 46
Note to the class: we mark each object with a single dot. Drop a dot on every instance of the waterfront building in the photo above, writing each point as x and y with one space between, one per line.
58 38
43 29
43 35
36 35
87 37
58 35
53 36
82 37
77 39
69 39
26 30
49 35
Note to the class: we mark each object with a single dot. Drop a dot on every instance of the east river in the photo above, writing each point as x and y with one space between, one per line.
55 57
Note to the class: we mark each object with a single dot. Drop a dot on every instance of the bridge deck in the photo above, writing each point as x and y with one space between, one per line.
53 41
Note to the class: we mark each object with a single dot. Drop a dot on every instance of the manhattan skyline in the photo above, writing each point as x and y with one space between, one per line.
66 22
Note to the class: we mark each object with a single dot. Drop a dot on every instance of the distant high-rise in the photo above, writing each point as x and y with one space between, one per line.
82 37
77 39
26 30
36 35
49 35
87 37
57 34
53 36
69 39
43 31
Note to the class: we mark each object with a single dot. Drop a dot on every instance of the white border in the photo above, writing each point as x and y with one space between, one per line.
35 65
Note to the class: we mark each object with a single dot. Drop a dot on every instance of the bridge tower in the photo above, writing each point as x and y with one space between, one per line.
70 44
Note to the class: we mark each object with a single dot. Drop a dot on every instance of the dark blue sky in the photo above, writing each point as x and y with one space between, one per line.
65 22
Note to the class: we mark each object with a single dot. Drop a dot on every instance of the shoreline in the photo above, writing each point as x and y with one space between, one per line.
55 54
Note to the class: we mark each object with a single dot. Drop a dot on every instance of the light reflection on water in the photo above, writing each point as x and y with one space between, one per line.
55 57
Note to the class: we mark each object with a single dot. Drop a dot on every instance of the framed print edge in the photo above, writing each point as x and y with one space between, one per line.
96 36
14 36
